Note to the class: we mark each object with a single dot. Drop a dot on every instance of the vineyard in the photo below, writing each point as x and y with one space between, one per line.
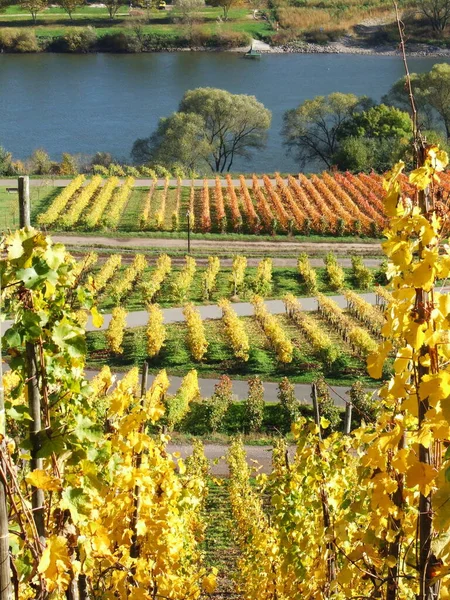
332 204
97 504
136 281
296 344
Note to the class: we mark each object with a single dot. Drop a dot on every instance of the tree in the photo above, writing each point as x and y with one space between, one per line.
234 123
431 94
311 131
437 12
374 139
34 7
211 127
70 6
68 165
41 163
188 9
178 140
224 4
6 167
113 7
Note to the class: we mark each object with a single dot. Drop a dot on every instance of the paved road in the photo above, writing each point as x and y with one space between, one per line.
212 311
216 455
240 389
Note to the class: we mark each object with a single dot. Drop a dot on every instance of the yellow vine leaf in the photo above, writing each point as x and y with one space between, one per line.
209 582
435 387
97 318
437 158
42 480
375 360
421 475
421 177
55 565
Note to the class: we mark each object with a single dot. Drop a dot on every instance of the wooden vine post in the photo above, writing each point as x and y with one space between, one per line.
5 573
331 552
33 392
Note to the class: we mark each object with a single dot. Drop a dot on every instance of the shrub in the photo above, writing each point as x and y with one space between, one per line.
219 402
362 276
288 402
7 38
364 403
254 404
16 40
115 170
327 407
100 170
147 172
68 165
80 39
41 163
26 41
131 171
115 42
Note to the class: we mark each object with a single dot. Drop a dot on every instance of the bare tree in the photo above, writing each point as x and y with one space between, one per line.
437 12
70 6
188 9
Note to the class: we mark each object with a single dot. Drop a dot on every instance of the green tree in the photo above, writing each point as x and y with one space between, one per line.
211 126
112 7
178 140
34 7
41 163
431 94
68 165
311 131
6 167
234 123
374 139
224 4
70 6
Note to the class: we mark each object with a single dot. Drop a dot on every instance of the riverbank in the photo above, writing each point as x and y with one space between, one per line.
159 45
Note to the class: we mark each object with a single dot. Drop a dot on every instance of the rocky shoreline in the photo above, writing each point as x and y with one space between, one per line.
416 50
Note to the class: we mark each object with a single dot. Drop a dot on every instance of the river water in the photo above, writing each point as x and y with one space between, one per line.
87 103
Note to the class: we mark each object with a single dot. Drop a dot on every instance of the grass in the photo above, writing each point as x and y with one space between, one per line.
176 358
55 22
40 198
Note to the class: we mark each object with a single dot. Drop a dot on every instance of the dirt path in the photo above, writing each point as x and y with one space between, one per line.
227 245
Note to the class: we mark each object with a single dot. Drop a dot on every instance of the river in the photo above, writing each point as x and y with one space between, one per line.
103 102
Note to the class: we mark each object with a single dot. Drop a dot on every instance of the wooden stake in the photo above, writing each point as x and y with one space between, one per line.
316 408
34 405
24 201
348 418
5 573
